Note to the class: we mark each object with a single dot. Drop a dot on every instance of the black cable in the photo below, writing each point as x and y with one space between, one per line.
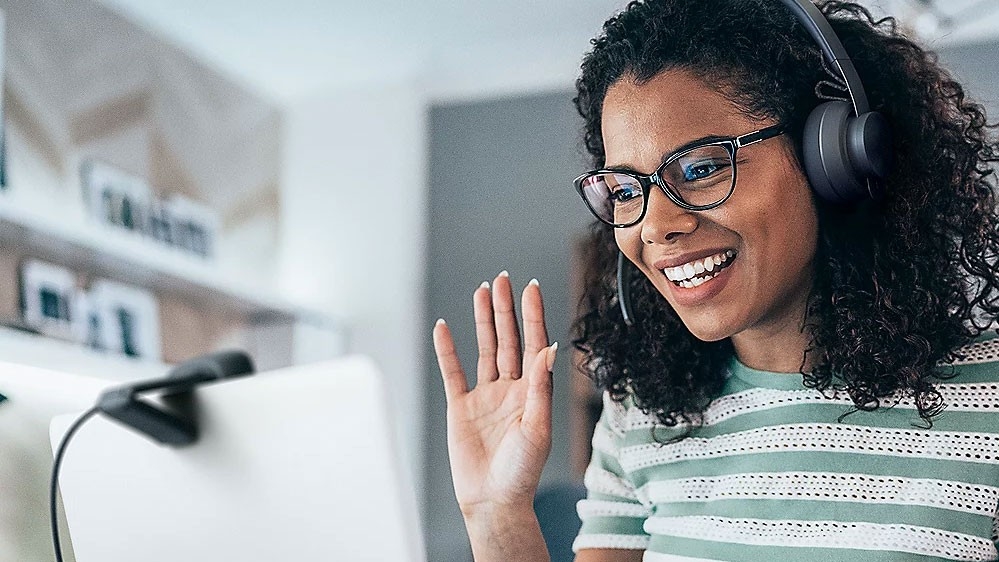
54 483
122 404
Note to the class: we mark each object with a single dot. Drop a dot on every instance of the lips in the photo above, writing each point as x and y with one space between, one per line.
689 257
697 272
696 277
701 289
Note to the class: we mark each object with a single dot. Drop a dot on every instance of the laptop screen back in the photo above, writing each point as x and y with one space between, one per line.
296 464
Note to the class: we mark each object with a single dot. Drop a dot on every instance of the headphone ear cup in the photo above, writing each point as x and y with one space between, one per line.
845 155
826 157
869 145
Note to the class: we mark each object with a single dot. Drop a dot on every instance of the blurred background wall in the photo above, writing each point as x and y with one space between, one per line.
371 163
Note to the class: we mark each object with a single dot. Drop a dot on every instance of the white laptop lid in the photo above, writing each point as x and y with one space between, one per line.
296 464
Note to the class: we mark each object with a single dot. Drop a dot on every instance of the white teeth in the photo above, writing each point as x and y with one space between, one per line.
689 275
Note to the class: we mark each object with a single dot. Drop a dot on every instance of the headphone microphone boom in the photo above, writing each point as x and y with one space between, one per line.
846 147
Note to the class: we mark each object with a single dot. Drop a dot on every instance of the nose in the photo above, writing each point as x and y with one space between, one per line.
665 220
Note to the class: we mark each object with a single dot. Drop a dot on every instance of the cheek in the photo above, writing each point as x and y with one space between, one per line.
791 236
801 219
629 241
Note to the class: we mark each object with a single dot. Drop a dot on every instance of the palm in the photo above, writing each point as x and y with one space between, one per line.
499 434
492 454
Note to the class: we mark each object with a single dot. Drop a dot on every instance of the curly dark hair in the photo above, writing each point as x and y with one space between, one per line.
900 282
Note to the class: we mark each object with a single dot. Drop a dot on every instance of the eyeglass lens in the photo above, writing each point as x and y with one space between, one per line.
699 177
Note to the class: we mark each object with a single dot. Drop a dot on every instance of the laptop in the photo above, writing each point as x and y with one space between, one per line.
295 464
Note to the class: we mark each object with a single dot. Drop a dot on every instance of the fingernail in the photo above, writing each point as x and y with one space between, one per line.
484 285
504 273
534 282
440 322
550 360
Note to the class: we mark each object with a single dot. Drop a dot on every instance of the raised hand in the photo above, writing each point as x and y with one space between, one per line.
499 433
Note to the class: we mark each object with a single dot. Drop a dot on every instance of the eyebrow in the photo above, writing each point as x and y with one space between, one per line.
670 153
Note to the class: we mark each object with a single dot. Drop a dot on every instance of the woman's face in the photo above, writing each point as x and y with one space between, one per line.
764 235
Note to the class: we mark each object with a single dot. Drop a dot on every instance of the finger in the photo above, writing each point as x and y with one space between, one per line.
535 332
455 384
485 334
508 356
537 419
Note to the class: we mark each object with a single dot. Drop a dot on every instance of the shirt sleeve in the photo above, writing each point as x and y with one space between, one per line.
995 528
612 513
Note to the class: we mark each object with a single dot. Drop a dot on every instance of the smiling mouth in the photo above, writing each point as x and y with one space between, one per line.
698 272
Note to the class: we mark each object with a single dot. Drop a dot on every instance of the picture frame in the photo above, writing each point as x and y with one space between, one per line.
193 226
115 197
3 114
124 201
48 295
125 319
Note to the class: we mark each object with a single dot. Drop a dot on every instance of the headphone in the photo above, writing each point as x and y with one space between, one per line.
846 147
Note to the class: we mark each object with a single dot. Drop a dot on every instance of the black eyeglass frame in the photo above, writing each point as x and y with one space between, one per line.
731 145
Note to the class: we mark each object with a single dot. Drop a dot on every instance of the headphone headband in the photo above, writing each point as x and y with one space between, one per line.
820 30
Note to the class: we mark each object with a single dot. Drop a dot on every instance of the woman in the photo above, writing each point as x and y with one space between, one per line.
799 378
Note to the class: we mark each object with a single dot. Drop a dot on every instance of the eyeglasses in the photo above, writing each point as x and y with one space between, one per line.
696 177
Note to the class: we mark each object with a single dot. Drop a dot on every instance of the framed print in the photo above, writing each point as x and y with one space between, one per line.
193 226
115 197
126 320
3 114
48 292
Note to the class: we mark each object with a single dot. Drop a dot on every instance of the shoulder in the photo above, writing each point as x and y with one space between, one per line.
968 386
616 412
622 416
976 362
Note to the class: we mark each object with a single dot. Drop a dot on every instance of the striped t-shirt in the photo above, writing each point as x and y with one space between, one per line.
773 476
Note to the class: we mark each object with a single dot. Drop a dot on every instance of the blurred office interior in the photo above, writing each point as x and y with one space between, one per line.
358 168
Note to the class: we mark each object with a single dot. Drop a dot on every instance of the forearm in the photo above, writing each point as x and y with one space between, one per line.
511 535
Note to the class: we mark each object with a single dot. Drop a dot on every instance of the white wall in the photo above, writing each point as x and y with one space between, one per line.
353 231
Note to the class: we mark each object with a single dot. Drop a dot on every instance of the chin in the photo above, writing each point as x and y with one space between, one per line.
711 337
709 333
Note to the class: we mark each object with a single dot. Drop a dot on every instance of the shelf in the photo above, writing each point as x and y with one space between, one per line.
123 256
24 348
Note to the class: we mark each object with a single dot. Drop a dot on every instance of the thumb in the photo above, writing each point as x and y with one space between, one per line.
537 417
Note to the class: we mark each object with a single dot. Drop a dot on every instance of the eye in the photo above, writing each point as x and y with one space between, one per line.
702 169
625 192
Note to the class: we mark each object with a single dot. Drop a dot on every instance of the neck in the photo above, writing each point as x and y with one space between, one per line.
774 351
777 344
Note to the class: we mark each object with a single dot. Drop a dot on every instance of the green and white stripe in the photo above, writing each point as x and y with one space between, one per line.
772 474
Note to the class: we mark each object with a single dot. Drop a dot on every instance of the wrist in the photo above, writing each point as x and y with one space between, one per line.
492 513
505 533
